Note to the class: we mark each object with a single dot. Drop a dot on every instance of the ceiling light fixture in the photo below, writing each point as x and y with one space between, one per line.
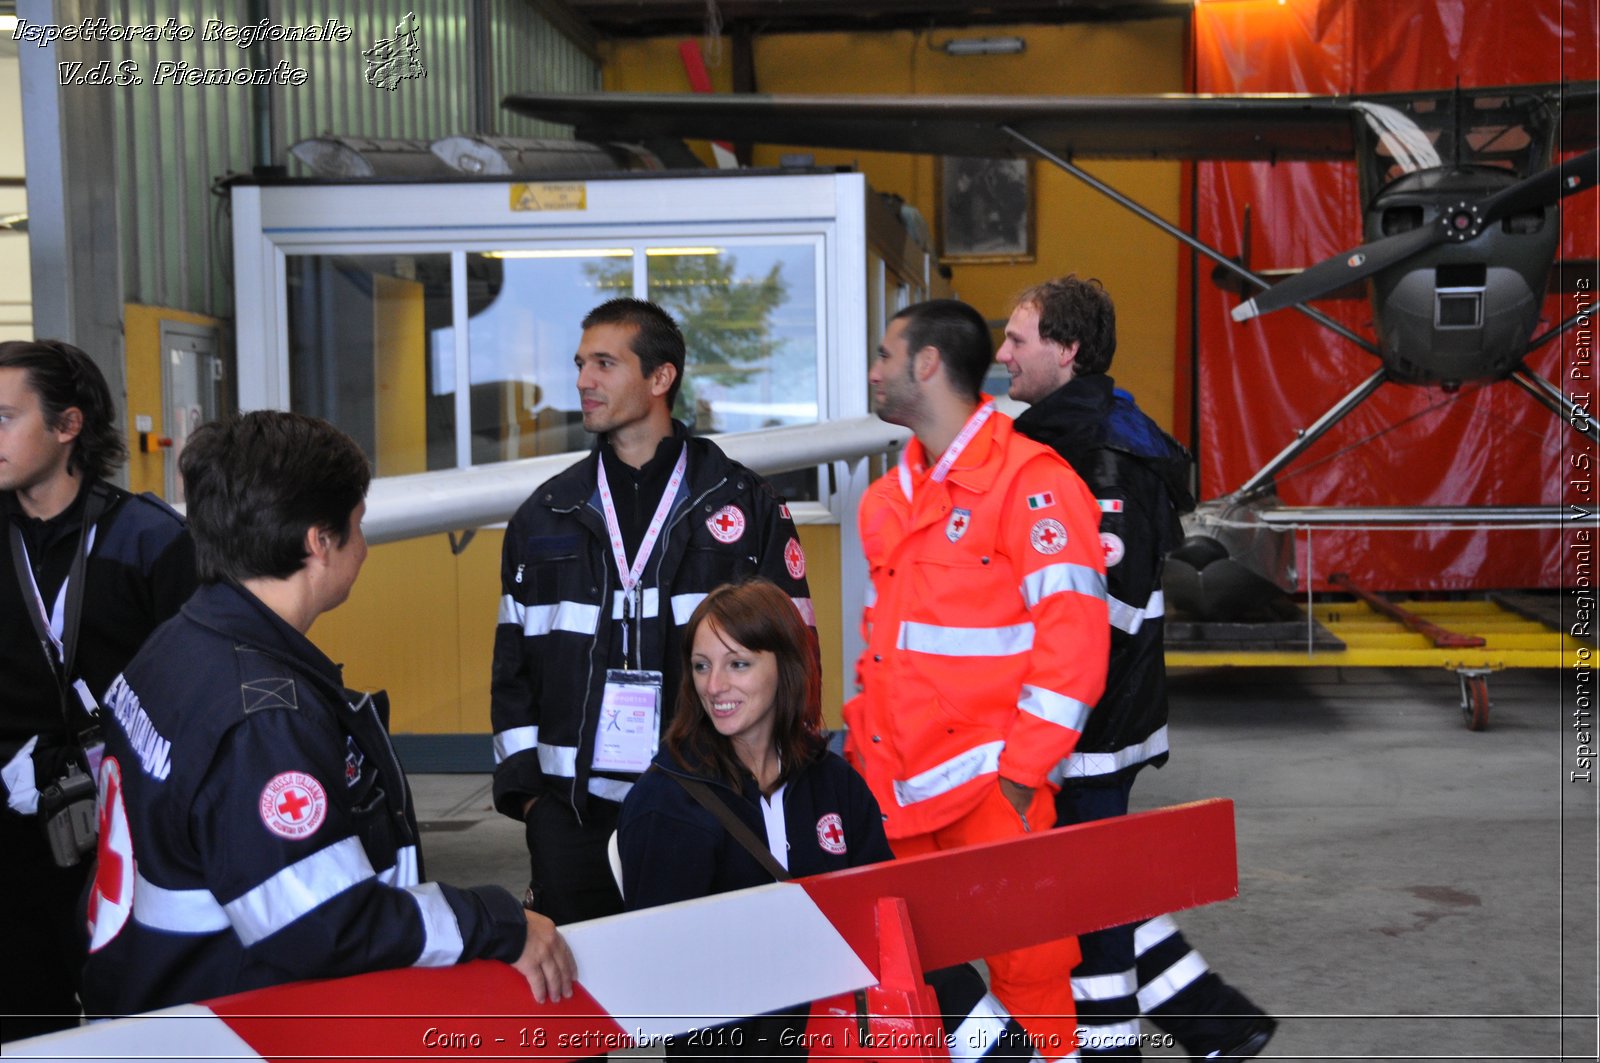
985 46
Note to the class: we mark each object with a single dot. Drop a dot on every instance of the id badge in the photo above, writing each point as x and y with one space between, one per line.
630 721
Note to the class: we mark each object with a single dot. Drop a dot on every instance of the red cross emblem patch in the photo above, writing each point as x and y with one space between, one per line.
957 525
727 524
293 805
794 559
1048 536
830 834
1113 546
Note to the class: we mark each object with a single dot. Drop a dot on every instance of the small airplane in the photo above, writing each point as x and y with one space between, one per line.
1460 190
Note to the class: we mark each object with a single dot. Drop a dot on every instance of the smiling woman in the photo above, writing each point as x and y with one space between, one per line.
746 792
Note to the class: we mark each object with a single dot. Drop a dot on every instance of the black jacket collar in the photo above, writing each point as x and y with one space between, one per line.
232 611
1073 417
573 487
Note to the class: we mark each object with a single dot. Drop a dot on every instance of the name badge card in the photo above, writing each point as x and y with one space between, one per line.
630 721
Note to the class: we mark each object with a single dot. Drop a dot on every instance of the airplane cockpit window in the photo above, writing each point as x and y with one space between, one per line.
1464 130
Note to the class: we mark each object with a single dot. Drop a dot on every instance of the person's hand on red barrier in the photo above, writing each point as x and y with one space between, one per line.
546 962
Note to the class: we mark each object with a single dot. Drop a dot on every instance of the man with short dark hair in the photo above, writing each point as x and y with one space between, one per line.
985 625
258 828
88 571
1059 343
601 568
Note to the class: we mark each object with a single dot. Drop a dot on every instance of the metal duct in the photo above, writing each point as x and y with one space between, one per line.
344 156
521 156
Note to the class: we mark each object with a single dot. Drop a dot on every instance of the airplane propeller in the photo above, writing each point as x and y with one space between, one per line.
1459 222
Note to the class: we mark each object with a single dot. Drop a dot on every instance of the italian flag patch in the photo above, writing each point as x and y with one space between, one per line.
1110 505
1041 500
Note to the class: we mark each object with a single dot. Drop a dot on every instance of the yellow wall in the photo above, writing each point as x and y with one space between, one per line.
399 354
141 336
1079 230
420 624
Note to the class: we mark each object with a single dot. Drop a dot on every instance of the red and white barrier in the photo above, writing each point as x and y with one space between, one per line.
645 975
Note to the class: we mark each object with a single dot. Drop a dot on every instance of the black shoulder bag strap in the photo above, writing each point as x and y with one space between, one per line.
736 826
100 500
747 838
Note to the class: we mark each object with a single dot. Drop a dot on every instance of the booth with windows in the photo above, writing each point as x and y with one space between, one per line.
437 322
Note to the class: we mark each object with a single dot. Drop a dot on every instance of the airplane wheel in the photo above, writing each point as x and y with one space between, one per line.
1475 701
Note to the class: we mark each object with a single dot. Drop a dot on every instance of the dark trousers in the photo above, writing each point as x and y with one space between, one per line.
1145 968
570 875
44 942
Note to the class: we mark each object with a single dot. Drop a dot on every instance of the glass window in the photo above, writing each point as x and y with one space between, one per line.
372 347
359 339
526 308
750 320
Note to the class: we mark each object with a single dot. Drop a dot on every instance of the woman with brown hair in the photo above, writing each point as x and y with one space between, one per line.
748 726
747 736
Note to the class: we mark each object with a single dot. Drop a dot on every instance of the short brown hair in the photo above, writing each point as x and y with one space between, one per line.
657 342
1073 310
759 616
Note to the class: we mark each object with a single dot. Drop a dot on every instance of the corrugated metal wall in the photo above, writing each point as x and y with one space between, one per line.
525 56
174 141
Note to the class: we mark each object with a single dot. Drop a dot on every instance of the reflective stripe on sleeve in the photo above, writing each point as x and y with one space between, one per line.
176 911
1060 578
1054 708
543 619
512 611
441 932
558 760
966 641
514 740
1090 765
683 607
298 889
404 873
1130 618
941 779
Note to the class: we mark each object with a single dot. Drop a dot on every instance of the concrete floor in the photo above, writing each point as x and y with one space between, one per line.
1408 889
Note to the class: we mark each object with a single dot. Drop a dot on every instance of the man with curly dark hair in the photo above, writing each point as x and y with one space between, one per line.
89 571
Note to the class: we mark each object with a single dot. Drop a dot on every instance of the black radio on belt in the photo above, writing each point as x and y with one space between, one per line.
67 808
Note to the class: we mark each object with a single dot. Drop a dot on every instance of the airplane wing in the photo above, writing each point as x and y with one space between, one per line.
1261 127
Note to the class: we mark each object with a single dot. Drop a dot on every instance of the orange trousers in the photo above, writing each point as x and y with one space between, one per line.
1035 983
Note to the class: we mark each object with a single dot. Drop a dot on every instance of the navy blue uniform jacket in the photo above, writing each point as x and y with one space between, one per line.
673 849
257 826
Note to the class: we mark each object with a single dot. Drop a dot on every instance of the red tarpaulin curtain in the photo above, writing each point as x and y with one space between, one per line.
1486 444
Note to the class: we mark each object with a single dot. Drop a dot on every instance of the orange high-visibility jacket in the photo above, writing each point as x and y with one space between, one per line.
986 627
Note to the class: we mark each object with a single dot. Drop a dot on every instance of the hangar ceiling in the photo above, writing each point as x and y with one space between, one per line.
648 18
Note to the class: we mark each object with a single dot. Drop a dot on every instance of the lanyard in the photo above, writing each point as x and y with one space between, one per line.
951 453
51 622
58 628
631 574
